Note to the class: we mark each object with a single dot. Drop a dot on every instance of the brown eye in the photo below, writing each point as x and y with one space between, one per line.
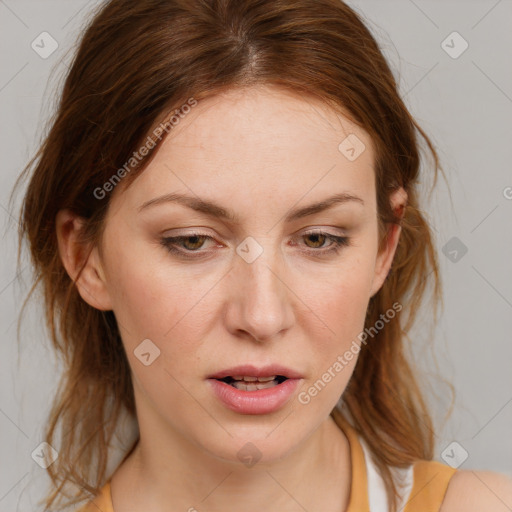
186 245
317 245
197 241
317 238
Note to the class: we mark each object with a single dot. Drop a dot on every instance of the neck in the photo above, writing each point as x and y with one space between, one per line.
167 472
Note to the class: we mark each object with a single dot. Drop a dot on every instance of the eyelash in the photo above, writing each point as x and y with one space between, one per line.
337 243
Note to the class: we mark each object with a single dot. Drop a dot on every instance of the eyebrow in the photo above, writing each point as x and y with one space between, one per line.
214 210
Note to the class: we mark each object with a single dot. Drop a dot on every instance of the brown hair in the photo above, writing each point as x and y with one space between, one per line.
138 61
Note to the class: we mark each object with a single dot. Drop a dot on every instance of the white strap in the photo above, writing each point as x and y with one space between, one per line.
377 497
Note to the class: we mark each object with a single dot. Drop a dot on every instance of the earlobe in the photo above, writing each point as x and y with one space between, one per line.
90 281
385 257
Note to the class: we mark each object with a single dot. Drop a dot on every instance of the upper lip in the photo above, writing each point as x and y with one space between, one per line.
248 370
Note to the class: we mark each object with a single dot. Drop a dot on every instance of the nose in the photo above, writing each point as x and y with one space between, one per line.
260 302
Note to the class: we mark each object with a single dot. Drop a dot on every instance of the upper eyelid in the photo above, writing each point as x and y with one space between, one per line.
314 230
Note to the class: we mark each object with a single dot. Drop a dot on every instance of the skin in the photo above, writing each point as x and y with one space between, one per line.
259 152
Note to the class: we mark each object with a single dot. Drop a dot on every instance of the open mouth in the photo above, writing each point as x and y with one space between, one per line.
253 383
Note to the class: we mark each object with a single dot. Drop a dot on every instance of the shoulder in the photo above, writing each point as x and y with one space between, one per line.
472 491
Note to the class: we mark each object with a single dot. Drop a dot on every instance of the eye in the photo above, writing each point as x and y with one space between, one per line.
190 243
189 246
318 239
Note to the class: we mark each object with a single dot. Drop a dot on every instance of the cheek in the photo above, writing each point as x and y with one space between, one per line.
154 300
340 294
339 301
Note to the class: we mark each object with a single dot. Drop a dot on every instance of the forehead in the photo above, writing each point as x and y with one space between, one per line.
260 143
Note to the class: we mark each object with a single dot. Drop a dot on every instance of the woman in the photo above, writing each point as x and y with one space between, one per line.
225 221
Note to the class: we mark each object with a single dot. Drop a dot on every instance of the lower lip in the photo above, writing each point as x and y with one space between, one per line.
261 401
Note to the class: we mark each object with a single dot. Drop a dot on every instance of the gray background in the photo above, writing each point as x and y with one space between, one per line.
464 104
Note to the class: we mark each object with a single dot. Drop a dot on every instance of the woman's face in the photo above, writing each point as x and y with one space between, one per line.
252 281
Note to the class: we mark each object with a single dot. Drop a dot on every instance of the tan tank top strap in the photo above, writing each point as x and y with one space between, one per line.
101 503
358 501
431 481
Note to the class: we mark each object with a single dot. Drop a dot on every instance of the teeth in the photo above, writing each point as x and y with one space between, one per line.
254 379
246 386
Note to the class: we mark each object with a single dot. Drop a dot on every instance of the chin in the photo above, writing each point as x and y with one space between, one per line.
254 446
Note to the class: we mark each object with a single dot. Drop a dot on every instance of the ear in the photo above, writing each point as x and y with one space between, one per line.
384 258
91 283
